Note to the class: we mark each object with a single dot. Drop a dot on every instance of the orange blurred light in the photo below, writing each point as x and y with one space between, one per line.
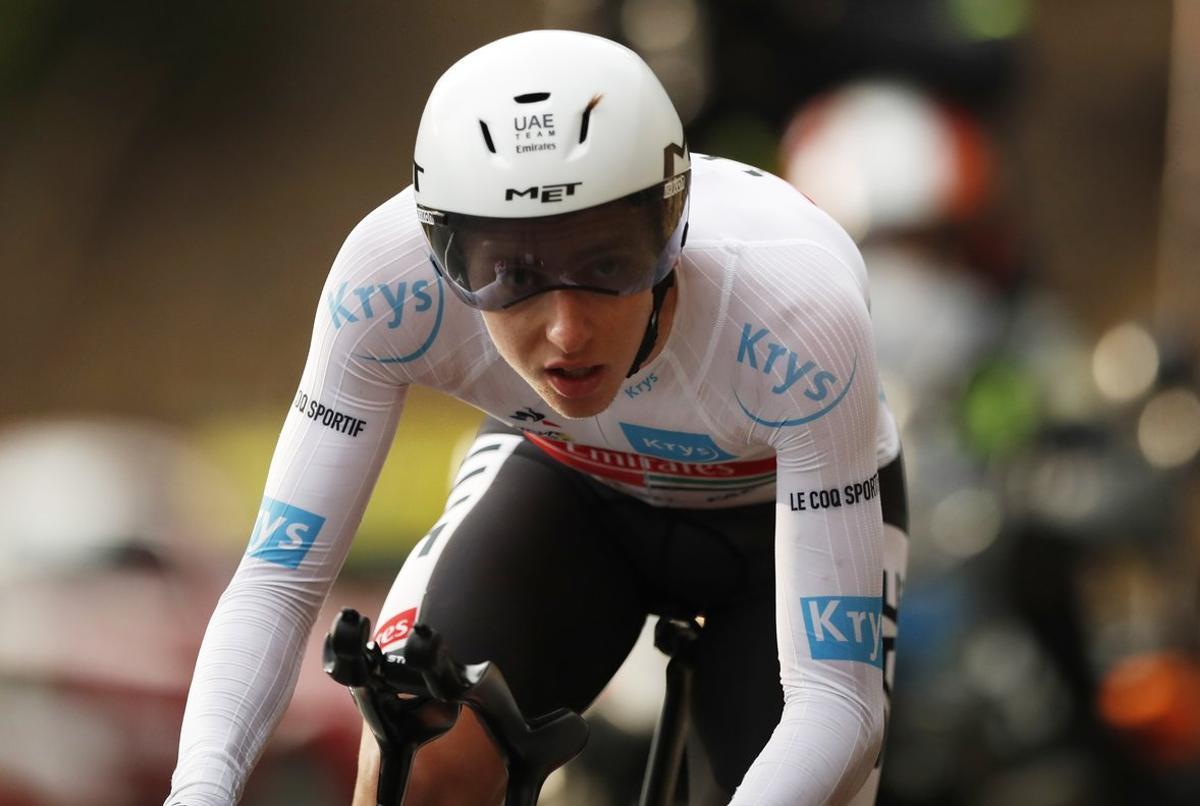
1155 700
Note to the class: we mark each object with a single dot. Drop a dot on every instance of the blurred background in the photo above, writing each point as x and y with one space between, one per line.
1023 177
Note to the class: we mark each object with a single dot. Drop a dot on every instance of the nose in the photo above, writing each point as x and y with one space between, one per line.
568 327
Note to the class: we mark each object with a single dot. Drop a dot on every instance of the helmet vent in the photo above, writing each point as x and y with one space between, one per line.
587 116
487 137
531 97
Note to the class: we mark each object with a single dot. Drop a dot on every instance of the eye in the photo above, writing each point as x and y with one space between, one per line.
517 272
515 277
605 267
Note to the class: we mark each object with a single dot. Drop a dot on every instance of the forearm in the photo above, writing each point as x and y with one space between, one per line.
244 678
825 745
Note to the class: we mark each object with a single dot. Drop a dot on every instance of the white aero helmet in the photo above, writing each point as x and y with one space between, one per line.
551 159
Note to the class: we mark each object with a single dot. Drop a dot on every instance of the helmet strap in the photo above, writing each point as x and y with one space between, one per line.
651 335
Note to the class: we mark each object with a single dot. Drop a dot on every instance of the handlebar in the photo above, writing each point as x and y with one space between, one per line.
412 698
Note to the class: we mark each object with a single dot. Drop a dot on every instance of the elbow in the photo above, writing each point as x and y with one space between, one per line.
255 595
868 745
872 736
855 715
875 732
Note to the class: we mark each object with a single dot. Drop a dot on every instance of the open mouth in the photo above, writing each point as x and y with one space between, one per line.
575 382
575 373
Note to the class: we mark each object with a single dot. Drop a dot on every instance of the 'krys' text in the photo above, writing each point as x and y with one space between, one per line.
793 370
346 307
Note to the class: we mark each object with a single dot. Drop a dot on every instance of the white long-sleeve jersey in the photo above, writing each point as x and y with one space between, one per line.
765 388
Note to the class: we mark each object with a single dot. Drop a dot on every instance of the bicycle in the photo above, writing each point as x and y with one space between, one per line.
410 698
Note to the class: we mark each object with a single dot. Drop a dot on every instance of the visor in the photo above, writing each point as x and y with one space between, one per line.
620 247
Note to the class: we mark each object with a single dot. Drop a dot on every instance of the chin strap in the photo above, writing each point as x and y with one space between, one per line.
651 336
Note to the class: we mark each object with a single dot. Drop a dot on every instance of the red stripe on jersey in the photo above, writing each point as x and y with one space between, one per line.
631 468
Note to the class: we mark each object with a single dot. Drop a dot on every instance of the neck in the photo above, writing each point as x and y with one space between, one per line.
666 318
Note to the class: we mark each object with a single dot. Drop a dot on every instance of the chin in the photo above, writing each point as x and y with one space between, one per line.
578 409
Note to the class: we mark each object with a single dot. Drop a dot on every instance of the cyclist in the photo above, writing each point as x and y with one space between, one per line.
670 427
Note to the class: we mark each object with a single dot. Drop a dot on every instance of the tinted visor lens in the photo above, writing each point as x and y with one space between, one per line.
620 247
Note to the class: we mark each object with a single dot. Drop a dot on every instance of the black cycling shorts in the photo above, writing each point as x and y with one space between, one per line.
551 575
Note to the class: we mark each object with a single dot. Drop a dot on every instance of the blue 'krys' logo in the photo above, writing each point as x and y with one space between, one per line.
283 533
676 445
644 385
844 628
417 306
757 351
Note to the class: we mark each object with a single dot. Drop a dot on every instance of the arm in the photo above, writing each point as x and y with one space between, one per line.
248 664
828 545
328 457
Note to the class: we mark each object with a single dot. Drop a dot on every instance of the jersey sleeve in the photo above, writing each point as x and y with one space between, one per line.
333 443
806 380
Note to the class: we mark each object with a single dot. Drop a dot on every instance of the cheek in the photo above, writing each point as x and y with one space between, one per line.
506 332
631 320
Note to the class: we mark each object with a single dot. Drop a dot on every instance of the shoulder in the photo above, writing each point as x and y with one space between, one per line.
785 264
795 326
384 301
387 239
771 232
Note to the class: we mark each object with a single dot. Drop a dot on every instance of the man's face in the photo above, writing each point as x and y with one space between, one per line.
572 347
